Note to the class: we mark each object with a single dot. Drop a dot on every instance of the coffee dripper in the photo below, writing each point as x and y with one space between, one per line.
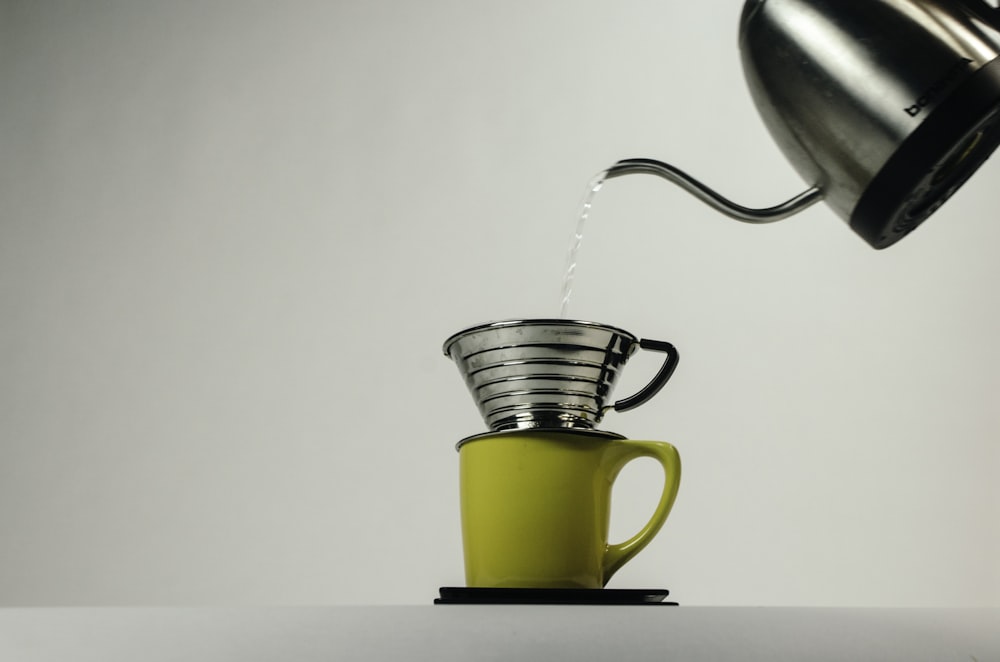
551 373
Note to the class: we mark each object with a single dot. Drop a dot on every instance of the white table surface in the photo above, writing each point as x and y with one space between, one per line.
509 632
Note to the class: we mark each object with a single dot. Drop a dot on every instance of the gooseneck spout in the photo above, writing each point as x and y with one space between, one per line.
710 197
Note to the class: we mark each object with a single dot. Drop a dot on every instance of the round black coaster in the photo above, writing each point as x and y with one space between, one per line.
459 595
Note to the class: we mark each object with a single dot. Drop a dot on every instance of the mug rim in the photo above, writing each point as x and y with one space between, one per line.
594 434
537 321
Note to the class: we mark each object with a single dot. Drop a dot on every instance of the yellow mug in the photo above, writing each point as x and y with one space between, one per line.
536 506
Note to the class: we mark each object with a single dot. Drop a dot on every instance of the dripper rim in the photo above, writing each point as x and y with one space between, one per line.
534 321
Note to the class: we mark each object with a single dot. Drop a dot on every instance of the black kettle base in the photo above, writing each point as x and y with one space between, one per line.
455 595
936 159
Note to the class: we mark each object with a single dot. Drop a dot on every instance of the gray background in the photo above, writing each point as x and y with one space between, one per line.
233 236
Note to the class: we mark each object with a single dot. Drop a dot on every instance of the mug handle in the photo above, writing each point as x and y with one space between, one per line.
653 387
617 555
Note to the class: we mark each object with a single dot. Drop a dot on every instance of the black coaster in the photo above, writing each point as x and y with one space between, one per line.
458 595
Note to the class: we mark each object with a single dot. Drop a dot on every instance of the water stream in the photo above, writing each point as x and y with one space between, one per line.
574 248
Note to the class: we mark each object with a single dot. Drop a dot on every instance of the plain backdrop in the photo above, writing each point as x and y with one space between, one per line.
234 235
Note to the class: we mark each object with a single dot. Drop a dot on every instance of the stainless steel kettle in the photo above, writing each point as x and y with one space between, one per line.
884 107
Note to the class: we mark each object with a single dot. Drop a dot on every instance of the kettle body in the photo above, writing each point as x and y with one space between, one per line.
886 106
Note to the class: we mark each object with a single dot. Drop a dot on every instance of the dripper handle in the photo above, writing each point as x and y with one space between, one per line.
653 387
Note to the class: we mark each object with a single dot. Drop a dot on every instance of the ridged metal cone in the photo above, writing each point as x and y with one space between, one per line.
541 373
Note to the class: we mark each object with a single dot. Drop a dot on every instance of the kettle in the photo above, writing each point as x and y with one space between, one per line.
884 107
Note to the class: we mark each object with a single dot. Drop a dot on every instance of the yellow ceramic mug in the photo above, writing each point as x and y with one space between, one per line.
536 506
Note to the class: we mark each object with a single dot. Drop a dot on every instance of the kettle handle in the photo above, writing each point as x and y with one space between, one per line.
658 381
710 197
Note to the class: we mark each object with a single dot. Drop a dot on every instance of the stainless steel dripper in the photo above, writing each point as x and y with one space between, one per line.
550 373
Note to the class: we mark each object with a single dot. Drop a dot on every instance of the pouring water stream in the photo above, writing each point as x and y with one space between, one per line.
574 249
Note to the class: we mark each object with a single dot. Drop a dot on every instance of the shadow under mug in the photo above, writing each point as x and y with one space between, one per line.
536 506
